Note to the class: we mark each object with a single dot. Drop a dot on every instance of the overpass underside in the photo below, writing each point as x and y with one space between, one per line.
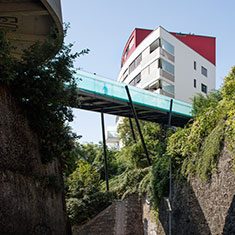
28 21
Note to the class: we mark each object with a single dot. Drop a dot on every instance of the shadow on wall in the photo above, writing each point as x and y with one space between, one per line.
188 217
229 227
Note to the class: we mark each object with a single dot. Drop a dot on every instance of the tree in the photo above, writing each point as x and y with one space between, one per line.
201 103
133 153
85 197
46 90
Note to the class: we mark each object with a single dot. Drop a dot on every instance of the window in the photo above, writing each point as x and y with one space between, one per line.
155 45
167 66
194 83
138 60
132 67
168 47
204 88
167 87
195 65
136 80
204 71
131 44
135 63
125 74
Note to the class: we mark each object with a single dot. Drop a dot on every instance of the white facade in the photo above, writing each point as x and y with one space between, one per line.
167 67
112 137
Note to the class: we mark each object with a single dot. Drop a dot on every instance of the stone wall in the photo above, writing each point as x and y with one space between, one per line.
200 208
120 218
31 198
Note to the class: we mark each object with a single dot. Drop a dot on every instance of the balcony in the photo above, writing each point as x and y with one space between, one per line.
28 21
147 79
150 57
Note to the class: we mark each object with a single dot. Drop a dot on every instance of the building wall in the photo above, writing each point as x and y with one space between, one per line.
31 193
138 35
120 218
184 69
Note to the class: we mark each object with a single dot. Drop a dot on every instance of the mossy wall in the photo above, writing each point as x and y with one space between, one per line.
31 192
201 207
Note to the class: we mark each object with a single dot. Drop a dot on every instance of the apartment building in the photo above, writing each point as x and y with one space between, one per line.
173 64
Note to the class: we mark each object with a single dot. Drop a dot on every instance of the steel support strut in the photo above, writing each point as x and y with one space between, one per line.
132 130
137 124
105 152
170 172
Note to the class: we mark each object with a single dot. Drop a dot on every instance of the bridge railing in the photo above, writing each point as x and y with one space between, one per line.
116 90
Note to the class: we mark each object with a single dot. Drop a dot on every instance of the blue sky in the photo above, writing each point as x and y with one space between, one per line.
104 26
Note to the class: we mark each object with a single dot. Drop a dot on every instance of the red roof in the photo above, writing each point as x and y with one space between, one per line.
203 45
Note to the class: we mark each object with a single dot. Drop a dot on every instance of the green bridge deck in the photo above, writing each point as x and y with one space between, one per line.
105 95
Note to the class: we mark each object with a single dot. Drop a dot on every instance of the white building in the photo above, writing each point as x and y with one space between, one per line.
112 137
173 64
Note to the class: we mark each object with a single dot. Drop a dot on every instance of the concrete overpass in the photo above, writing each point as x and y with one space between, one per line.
27 21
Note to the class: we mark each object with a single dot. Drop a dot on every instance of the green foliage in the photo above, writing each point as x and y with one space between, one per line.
210 150
151 181
80 209
84 195
160 181
84 180
202 103
145 185
46 90
94 155
130 181
189 146
228 104
84 198
112 165
196 147
133 153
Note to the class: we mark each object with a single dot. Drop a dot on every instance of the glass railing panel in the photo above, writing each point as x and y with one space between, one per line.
106 87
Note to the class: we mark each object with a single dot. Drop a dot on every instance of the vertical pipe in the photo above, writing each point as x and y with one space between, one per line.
105 152
170 172
138 125
132 130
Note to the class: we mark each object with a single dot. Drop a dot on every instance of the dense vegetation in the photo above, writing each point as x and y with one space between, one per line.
46 90
196 148
128 171
193 150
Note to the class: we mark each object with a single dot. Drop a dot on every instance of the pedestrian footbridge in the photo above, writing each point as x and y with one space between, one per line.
108 96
